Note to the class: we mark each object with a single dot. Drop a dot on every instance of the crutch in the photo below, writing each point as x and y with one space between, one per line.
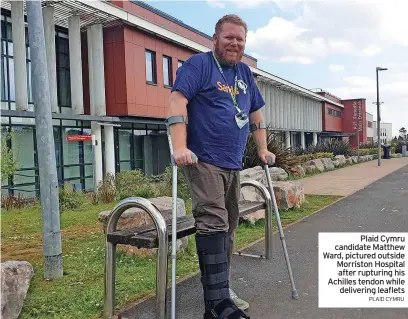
174 226
282 237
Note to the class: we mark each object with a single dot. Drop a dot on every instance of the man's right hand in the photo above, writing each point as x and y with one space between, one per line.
184 156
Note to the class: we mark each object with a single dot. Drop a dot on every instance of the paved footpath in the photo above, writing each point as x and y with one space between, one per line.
346 181
379 207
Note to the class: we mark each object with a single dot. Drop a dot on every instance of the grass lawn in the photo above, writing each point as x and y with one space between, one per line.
79 294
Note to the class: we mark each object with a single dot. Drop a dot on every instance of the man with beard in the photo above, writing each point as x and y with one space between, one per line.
214 104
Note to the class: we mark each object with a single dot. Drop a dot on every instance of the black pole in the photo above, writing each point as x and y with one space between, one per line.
378 123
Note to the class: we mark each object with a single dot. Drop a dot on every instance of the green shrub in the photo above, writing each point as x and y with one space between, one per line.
307 157
398 146
133 184
337 147
106 190
369 145
10 201
165 186
368 151
70 198
284 158
9 164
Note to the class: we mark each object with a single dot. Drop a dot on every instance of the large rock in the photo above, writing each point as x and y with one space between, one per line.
340 159
336 163
15 281
289 194
327 164
257 173
309 169
134 217
349 160
253 174
317 163
278 174
298 171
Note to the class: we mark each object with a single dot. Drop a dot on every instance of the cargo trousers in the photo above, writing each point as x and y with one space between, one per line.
215 194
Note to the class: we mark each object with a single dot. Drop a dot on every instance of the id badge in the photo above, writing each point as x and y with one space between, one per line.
241 119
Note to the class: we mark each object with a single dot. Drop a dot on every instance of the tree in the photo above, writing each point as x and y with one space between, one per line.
403 133
9 164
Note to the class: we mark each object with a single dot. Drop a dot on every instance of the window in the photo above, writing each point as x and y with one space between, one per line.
369 124
151 67
7 66
334 113
63 72
167 71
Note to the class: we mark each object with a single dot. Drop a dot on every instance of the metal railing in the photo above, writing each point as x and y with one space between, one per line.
268 219
161 261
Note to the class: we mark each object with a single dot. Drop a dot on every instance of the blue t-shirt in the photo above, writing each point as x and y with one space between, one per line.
212 132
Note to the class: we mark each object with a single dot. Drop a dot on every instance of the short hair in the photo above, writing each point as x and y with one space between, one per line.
230 18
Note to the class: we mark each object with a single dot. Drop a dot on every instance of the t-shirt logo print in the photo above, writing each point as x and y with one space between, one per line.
242 85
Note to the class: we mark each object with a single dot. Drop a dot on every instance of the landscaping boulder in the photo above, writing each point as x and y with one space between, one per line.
336 163
253 174
134 217
327 164
349 160
318 164
278 174
340 159
257 173
354 159
396 155
289 194
309 168
298 171
15 281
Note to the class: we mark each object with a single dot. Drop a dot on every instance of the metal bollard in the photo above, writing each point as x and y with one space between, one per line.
161 263
268 218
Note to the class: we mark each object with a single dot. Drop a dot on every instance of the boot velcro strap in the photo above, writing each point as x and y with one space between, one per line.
212 259
226 309
216 294
237 314
215 279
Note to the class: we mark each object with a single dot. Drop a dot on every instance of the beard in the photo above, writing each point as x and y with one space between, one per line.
223 58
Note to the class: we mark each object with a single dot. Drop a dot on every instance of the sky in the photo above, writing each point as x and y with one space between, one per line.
334 45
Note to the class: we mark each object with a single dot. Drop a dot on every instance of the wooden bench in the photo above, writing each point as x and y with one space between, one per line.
146 236
159 234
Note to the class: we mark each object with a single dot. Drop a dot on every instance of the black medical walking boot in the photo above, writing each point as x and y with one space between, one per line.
212 253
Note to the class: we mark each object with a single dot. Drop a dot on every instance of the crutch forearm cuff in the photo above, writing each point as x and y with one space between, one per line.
175 119
253 127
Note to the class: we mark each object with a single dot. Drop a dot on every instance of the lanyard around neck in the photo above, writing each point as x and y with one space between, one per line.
236 81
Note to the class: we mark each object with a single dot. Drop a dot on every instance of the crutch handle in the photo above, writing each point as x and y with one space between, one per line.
270 160
193 158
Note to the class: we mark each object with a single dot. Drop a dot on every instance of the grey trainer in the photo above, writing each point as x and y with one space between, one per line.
241 304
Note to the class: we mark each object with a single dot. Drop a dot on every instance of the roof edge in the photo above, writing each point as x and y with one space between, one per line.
177 21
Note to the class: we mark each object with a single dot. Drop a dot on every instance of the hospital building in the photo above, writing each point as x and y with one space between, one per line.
111 66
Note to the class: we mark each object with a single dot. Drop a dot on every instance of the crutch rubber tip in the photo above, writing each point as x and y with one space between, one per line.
295 295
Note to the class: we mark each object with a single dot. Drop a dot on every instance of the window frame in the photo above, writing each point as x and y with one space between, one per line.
169 71
153 69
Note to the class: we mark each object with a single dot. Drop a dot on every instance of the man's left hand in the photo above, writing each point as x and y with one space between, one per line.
264 154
